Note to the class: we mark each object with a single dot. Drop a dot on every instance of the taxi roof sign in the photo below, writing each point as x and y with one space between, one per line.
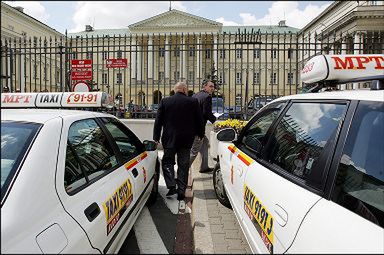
343 68
56 100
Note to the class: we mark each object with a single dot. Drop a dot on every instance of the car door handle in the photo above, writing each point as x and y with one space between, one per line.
135 172
281 215
92 211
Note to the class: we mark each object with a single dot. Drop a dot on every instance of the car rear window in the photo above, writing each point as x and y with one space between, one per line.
16 138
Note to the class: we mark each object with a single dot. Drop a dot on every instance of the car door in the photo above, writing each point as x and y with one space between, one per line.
139 163
93 183
355 211
289 178
242 157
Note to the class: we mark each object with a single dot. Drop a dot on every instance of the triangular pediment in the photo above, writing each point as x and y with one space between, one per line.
174 18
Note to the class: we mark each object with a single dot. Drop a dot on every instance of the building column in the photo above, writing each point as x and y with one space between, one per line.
183 61
133 58
139 62
150 58
198 58
167 58
357 48
215 51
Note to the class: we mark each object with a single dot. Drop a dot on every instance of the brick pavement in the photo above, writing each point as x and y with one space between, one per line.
215 227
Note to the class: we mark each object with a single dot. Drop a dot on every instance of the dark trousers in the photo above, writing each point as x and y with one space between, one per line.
168 163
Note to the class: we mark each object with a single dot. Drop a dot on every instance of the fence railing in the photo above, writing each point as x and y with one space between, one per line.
250 68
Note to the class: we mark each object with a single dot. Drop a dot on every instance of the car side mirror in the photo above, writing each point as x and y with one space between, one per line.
150 145
226 135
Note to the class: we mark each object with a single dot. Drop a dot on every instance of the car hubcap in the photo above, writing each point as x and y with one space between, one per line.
219 184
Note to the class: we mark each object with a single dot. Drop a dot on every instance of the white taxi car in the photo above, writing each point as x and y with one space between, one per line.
306 174
71 181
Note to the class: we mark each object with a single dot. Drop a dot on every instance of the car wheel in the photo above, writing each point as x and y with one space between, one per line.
219 187
155 189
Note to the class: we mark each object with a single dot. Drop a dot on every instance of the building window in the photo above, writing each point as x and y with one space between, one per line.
161 52
119 54
177 75
74 55
89 55
273 53
273 78
372 2
57 77
24 34
45 74
256 78
207 53
35 41
256 53
34 70
290 78
104 78
222 78
222 53
191 51
191 76
238 78
104 55
290 53
177 52
239 53
119 78
161 76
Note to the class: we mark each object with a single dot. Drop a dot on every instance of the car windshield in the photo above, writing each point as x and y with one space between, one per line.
16 137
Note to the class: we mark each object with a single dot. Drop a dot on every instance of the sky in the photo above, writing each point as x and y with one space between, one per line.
74 15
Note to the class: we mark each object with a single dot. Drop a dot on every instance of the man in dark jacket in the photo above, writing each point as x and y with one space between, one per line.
201 145
181 120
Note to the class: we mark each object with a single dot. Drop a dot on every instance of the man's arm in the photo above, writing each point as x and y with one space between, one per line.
158 122
207 109
199 120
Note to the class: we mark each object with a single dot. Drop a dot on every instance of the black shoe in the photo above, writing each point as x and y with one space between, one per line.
180 196
172 191
206 170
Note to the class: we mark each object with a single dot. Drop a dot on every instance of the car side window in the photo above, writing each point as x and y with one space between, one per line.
359 184
254 136
127 142
305 134
89 154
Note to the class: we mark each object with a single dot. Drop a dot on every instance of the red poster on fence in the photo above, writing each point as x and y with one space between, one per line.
81 75
117 63
81 63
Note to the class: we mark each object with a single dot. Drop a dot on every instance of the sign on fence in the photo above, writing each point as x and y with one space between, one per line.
81 63
81 69
117 63
81 75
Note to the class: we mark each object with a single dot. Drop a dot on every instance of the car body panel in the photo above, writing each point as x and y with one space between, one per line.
45 210
304 219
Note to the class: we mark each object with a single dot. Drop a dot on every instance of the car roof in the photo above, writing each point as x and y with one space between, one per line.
365 95
44 115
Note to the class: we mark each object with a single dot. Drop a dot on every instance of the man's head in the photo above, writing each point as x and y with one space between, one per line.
208 86
181 87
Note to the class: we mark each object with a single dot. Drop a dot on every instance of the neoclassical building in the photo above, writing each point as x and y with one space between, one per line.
178 46
26 61
142 62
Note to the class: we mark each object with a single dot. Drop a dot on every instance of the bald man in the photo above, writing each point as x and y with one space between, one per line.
181 120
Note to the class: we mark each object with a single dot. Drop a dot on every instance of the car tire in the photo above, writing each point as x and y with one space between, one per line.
218 186
155 189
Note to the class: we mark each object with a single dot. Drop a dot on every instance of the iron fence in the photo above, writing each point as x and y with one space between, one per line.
249 68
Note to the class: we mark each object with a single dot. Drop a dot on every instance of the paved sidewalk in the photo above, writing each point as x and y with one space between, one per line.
215 228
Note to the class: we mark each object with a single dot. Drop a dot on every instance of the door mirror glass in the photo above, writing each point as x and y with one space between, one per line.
226 135
150 145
